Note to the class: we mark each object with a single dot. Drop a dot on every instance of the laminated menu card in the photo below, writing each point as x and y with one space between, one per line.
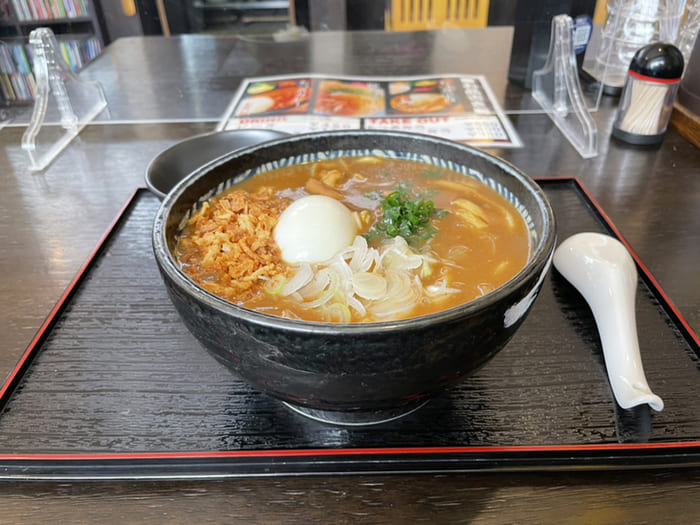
456 107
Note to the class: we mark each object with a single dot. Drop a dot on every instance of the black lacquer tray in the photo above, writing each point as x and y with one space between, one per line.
115 387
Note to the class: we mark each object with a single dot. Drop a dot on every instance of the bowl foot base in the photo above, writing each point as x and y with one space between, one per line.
360 418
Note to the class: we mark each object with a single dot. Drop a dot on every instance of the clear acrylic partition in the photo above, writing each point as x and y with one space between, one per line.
64 103
196 78
557 89
557 92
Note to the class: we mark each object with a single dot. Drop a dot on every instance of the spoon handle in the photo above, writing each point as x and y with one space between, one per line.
603 271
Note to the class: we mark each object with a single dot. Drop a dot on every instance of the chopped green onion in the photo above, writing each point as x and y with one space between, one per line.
338 313
274 285
407 218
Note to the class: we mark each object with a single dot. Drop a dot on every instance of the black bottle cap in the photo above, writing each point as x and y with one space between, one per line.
658 60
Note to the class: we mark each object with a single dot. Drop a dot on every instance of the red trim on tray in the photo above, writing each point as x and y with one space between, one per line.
521 449
66 294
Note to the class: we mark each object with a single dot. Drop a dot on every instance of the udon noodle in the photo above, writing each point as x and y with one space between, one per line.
426 239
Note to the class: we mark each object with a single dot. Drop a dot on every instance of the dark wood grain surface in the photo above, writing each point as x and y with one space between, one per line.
51 221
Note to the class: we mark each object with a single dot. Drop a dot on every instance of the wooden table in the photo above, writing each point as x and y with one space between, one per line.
162 90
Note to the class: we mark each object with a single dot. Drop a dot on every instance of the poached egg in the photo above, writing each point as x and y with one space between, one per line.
313 229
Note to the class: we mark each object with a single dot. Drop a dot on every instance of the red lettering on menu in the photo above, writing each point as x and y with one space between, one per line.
262 120
389 121
432 120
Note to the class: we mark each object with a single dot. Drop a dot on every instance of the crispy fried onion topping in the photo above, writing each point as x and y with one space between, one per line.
229 243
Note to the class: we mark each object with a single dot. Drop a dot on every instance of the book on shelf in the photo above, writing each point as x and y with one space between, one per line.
4 10
17 82
37 10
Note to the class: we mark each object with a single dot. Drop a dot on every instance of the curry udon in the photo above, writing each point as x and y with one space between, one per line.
381 239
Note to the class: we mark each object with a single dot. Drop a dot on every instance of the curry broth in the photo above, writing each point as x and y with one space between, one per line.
481 242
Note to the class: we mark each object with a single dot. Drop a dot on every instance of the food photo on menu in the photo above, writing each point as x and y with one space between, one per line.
459 107
425 96
352 98
349 98
285 96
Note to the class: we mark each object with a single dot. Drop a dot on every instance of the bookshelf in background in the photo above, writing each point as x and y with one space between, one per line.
77 30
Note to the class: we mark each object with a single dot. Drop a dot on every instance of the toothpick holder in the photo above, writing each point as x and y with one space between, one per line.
647 98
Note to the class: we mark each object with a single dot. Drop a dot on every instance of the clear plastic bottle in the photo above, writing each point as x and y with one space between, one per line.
630 25
689 91
689 29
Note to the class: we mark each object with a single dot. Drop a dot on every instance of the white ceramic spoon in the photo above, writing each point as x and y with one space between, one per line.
602 270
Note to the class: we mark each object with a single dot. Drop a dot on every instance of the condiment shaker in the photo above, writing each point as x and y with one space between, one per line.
648 95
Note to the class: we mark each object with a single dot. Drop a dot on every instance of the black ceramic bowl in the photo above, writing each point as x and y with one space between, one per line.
355 373
173 164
